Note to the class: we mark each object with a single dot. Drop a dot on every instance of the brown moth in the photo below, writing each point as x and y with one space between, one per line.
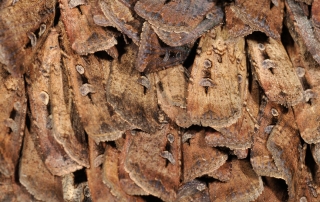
172 87
85 37
306 112
110 175
126 183
62 123
29 20
132 94
123 18
194 190
191 19
88 85
275 72
199 158
238 135
300 23
153 162
244 185
260 157
220 69
13 104
287 152
51 152
173 15
98 190
307 117
261 15
152 56
34 175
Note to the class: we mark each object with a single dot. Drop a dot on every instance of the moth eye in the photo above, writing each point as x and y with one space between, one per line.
33 39
167 155
210 16
186 137
44 97
43 28
98 160
300 71
274 112
80 69
308 94
201 187
86 88
268 129
206 82
170 138
144 81
267 64
207 63
261 47
239 78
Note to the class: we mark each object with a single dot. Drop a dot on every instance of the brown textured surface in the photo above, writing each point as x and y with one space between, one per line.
153 173
238 135
199 158
105 124
303 28
122 18
33 173
72 142
154 57
284 143
84 36
25 17
134 102
194 190
198 17
172 87
111 178
260 157
261 15
170 100
126 183
244 184
13 104
216 71
41 128
275 72
306 112
98 190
